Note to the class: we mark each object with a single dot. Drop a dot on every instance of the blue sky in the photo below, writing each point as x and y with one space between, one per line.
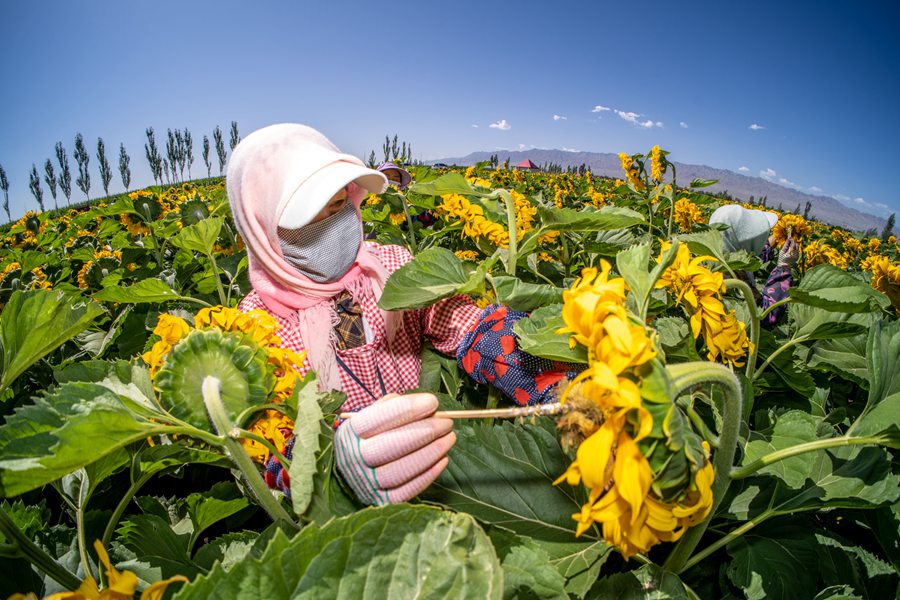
802 92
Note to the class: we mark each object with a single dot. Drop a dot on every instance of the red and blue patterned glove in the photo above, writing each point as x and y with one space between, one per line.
490 353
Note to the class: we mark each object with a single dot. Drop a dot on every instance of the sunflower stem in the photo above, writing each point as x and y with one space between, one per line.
218 277
787 345
413 248
685 376
224 426
513 234
737 284
785 453
35 555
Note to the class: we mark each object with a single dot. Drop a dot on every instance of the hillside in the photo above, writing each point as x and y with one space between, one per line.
824 208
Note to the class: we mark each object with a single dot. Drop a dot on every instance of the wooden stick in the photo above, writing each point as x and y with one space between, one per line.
538 410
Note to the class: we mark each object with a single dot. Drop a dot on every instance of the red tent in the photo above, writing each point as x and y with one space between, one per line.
527 164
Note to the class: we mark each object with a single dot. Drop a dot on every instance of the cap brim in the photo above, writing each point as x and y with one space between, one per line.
314 193
772 218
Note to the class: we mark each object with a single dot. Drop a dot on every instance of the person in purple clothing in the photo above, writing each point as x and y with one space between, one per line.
750 230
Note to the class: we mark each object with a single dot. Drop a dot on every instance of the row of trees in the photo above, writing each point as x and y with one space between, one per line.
165 169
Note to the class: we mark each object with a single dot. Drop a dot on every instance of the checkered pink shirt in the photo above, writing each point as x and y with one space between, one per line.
444 324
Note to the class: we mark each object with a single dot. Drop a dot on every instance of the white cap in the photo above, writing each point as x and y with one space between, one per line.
316 191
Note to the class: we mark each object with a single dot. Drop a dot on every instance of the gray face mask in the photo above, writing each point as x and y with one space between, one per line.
325 250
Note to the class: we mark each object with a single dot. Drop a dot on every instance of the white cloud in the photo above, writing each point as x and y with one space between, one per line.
570 149
815 189
527 147
841 197
599 108
631 117
768 174
475 126
502 125
786 182
883 207
860 201
559 118
756 127
743 169
683 125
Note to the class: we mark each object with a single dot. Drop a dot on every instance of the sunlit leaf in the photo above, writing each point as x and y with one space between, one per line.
826 286
537 336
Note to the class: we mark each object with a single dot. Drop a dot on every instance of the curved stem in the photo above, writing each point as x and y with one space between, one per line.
789 344
215 267
120 508
685 376
35 555
413 248
86 566
784 453
249 435
220 420
754 321
513 234
672 201
728 538
772 307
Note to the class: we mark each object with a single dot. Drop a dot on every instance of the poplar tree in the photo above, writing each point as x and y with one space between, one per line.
235 138
153 156
888 228
4 185
124 169
34 184
82 158
50 179
65 173
188 152
206 156
172 149
105 170
220 148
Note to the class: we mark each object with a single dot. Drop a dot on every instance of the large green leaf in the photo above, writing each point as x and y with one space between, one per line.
792 428
200 237
396 551
433 274
518 295
503 475
633 264
774 562
537 336
306 445
826 286
844 356
223 500
645 582
589 219
841 562
449 183
883 361
527 571
35 323
144 291
814 323
75 425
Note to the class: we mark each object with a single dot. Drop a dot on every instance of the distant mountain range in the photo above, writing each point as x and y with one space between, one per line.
824 208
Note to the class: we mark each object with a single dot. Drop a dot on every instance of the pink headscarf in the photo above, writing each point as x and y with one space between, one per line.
288 163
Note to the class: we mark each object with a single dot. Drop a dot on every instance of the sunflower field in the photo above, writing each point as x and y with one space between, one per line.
700 453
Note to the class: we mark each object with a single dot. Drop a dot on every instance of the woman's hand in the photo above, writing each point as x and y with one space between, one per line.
789 254
392 450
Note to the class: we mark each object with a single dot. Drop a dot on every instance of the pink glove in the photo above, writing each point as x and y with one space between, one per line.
789 254
392 450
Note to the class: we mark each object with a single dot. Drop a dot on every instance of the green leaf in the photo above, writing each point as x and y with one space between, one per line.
75 425
156 545
840 563
633 264
396 551
819 324
589 219
792 428
503 475
826 286
702 183
883 418
845 357
151 460
647 581
705 243
35 323
527 571
449 183
837 592
200 237
518 295
774 562
228 550
221 501
537 336
433 274
883 362
144 291
306 446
